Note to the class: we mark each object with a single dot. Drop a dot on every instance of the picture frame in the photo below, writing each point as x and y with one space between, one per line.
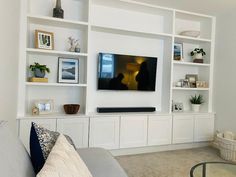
44 40
178 51
192 78
68 70
44 106
178 107
201 84
185 83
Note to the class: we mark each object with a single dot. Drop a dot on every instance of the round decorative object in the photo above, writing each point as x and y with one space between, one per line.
190 33
38 73
196 107
71 108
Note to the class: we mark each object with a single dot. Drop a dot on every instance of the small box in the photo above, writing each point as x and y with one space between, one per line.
37 79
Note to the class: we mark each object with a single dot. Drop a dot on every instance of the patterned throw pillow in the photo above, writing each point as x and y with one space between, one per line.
41 144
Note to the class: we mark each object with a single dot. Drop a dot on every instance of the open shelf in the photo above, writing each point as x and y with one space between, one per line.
190 89
56 53
181 38
52 116
129 32
55 84
191 64
56 21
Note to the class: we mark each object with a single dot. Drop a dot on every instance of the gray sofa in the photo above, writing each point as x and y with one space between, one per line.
15 161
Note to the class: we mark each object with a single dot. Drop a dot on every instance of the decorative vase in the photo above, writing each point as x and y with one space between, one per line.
38 73
196 107
58 12
198 56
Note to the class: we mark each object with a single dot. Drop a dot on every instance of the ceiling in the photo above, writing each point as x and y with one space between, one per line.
211 7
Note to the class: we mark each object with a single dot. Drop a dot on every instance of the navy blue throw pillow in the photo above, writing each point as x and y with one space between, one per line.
41 144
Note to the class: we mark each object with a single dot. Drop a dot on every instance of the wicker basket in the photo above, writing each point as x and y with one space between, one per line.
227 147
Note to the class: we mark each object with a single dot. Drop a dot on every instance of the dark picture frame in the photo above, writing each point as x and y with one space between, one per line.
68 70
44 40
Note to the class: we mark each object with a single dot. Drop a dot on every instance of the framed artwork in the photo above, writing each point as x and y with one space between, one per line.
68 70
178 51
185 83
192 78
178 107
44 106
44 40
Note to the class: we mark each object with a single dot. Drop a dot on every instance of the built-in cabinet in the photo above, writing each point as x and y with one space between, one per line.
138 29
127 131
193 128
133 131
159 130
105 132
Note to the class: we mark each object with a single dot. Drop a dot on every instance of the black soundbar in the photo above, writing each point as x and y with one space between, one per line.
125 109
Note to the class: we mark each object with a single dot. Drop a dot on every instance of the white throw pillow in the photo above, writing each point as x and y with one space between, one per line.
64 161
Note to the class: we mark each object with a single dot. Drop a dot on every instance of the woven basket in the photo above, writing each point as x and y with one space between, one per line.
227 147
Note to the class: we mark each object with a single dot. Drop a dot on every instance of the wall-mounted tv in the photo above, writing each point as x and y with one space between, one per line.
126 72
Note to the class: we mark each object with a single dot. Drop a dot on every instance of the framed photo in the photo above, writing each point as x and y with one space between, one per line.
68 70
201 84
178 51
44 106
44 40
192 78
185 83
178 107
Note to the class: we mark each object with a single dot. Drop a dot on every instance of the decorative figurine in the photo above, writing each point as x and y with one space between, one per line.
58 12
35 111
74 45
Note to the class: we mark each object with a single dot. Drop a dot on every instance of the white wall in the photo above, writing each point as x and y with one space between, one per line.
9 18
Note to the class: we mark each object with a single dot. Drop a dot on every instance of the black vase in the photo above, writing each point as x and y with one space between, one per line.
58 12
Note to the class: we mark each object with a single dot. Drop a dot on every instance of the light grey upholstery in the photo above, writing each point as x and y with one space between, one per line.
14 160
101 163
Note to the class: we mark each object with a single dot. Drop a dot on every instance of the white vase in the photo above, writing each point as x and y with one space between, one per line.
196 107
198 56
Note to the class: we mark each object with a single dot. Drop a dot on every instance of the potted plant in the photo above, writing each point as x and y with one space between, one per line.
198 53
196 102
39 70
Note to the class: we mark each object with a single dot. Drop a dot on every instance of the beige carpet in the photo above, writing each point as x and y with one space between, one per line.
166 164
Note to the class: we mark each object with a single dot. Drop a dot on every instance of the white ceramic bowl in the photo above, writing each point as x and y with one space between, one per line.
190 33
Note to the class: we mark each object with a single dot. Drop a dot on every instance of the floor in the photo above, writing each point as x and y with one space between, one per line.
166 164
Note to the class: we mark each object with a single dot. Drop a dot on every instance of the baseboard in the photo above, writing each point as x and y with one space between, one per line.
150 149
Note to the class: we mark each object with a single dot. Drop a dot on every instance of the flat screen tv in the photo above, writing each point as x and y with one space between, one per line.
126 72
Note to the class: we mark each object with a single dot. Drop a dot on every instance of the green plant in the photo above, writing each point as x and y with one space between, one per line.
198 50
42 68
197 99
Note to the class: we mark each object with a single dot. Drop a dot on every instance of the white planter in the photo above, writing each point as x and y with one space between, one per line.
196 107
198 56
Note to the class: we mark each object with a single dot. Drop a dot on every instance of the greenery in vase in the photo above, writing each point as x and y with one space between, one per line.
42 68
197 99
197 51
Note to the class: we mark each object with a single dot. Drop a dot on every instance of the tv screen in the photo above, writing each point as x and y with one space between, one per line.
126 72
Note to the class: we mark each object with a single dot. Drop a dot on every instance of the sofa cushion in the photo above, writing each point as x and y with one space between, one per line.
14 159
101 163
64 161
42 141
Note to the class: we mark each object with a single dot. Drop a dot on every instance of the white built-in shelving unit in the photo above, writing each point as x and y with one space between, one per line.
122 27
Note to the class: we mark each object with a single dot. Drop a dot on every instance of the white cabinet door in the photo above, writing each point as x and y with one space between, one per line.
159 130
204 128
183 128
133 131
104 132
76 128
25 126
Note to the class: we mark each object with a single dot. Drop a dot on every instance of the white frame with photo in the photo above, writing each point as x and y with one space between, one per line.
44 106
75 78
179 45
38 40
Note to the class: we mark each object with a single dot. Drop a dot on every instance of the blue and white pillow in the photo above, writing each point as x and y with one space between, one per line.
41 144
